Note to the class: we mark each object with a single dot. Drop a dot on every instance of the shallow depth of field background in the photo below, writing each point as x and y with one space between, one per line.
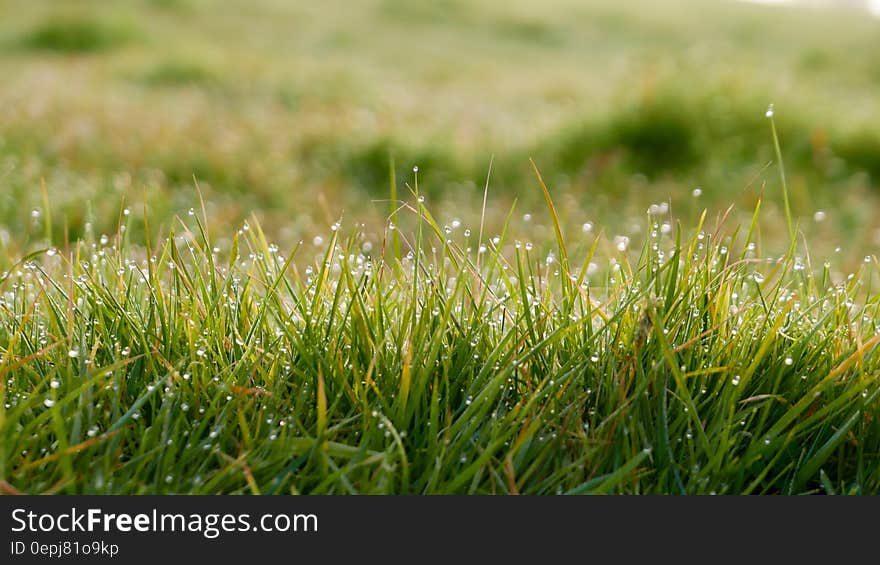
290 111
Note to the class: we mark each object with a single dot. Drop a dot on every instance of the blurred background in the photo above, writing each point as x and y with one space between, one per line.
290 110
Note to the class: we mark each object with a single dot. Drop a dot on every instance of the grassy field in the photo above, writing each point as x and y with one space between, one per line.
438 247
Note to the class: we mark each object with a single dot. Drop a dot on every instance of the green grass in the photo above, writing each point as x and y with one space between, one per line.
470 364
180 74
73 35
303 330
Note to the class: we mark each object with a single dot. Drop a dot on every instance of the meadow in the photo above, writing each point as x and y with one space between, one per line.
438 247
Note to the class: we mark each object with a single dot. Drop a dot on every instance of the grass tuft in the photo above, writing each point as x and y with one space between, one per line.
176 73
77 35
689 365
